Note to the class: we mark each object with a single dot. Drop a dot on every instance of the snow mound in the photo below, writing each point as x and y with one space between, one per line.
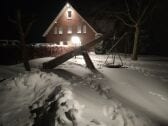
30 88
69 110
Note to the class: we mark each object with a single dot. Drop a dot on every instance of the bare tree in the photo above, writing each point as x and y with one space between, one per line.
137 12
23 29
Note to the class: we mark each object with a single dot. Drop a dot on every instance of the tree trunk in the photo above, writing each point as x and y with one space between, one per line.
136 40
25 59
24 54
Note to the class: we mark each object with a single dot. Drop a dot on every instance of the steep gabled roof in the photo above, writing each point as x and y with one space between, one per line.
58 16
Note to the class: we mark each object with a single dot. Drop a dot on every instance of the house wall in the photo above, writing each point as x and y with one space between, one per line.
64 23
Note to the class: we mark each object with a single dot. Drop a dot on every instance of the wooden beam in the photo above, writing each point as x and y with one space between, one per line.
77 51
60 59
88 61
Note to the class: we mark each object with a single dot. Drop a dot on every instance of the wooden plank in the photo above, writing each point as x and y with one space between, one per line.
60 59
78 50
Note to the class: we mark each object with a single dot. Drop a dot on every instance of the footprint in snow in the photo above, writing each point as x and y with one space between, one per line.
95 122
158 95
110 112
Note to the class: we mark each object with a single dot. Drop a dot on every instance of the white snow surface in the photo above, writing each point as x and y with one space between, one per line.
18 93
114 97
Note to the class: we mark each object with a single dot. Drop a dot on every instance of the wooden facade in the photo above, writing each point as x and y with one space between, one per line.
69 28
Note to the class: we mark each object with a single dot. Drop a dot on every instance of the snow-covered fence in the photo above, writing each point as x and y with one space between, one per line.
12 54
45 50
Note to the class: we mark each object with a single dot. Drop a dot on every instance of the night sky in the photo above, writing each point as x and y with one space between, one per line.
46 10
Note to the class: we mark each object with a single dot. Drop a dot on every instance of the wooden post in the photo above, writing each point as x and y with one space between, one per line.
88 61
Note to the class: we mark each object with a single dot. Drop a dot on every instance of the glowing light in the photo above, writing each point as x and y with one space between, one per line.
68 5
76 40
61 43
69 11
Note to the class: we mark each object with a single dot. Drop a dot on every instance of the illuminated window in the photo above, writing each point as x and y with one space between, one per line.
68 42
79 29
84 28
69 30
76 41
55 30
60 30
61 43
69 14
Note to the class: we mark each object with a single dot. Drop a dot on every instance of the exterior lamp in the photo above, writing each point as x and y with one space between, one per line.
67 5
76 41
61 43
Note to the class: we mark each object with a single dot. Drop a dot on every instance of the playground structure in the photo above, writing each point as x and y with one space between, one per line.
113 53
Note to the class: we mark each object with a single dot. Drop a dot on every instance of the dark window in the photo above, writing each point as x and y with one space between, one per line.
69 14
65 43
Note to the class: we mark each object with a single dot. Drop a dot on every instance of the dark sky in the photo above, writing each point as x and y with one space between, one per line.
43 10
46 10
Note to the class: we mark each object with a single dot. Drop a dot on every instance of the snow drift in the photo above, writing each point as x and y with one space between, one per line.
19 93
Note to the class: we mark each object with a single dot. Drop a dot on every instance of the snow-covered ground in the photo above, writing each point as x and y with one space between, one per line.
133 96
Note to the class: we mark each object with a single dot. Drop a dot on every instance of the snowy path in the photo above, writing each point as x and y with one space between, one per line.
142 86
108 112
144 93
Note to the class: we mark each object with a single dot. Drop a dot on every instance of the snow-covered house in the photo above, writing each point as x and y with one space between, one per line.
69 28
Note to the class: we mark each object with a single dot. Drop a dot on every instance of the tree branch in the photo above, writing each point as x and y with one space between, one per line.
122 20
29 27
138 3
19 24
150 12
12 20
144 12
121 13
129 13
